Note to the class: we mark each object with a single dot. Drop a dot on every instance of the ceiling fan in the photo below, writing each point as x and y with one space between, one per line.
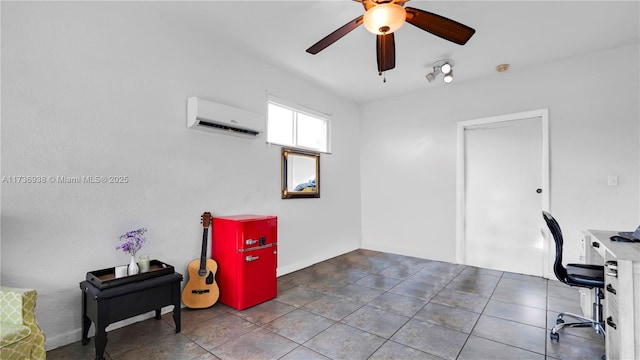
384 17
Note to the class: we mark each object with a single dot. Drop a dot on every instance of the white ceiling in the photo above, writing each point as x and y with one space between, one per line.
521 33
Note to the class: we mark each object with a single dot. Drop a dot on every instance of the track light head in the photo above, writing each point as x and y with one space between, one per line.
448 77
431 76
444 67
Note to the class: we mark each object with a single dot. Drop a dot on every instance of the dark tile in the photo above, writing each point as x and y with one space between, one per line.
327 285
430 338
478 348
132 336
188 317
415 289
473 271
392 351
265 312
575 347
334 307
257 344
299 325
514 312
538 287
585 332
378 282
345 342
75 351
512 333
401 271
523 277
444 269
357 292
300 277
559 304
484 279
326 268
434 276
228 327
565 291
427 280
371 264
375 321
174 346
299 296
399 304
284 285
462 300
520 297
453 318
347 307
474 285
303 353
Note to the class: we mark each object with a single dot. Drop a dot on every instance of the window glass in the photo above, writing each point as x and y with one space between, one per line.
311 132
280 120
296 128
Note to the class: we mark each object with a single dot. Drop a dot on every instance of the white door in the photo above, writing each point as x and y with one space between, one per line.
505 189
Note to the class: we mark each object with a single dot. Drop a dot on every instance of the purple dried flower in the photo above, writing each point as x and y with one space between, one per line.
132 241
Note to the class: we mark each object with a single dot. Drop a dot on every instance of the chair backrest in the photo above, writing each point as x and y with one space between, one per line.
558 269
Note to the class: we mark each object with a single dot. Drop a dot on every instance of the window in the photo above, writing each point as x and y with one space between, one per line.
304 129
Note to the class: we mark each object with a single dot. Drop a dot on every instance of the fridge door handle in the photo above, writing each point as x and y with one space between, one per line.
250 258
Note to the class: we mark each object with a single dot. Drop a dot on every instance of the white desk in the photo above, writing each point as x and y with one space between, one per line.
622 292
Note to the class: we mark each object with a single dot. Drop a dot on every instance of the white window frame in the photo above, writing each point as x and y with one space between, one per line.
300 109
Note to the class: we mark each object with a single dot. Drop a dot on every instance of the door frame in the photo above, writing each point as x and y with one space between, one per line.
543 114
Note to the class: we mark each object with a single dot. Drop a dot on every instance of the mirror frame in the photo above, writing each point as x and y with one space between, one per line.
286 194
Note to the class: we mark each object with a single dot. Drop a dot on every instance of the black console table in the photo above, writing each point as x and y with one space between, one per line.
106 306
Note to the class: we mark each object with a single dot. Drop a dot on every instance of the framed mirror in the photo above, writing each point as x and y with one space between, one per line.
300 174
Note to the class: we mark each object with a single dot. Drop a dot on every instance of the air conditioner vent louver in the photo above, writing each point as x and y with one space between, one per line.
206 115
202 122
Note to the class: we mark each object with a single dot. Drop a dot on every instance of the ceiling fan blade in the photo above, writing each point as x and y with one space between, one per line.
386 49
439 26
335 36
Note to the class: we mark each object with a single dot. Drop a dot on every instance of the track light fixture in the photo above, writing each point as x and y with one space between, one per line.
444 67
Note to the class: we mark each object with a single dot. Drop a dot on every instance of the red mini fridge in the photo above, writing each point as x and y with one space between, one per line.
246 250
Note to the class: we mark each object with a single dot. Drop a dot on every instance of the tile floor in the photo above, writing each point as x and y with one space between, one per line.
370 305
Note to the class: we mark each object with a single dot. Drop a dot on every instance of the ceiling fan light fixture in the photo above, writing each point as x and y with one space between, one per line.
384 18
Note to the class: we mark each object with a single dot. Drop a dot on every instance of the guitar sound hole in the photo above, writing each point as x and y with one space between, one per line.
198 292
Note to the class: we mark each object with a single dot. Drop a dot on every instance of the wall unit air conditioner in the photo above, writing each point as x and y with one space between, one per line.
211 116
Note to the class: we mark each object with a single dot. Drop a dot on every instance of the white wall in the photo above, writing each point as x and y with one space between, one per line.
408 151
100 89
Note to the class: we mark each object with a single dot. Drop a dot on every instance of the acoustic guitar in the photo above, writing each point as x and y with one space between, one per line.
201 291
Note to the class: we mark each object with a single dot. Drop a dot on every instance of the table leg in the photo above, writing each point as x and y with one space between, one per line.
101 342
176 317
86 322
176 305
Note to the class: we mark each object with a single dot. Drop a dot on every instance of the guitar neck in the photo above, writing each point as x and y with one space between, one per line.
203 254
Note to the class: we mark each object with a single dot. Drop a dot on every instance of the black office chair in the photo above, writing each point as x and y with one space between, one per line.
582 275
